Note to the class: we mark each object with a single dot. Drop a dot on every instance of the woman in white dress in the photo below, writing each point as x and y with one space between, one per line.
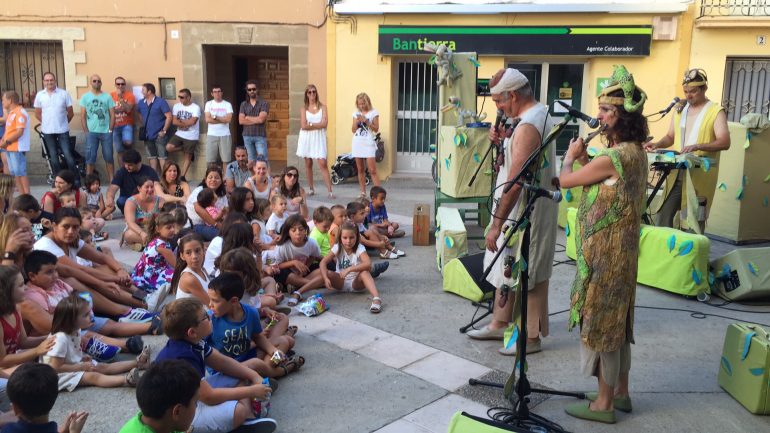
312 137
366 123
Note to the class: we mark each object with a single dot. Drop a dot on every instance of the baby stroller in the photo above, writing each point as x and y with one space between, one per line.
80 162
345 167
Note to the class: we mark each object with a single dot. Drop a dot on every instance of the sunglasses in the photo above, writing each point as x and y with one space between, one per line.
292 174
120 84
251 89
96 81
181 96
312 92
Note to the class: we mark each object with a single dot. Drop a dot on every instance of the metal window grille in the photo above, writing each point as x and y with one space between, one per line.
746 87
23 63
734 8
417 116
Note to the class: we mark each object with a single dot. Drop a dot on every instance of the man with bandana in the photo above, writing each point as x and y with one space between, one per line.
512 93
699 128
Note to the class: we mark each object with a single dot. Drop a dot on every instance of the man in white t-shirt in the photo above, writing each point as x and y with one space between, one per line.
185 116
219 113
53 108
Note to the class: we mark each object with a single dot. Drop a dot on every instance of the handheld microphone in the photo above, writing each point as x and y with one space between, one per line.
542 192
665 111
574 112
499 119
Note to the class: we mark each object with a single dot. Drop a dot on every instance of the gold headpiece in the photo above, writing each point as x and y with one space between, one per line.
695 77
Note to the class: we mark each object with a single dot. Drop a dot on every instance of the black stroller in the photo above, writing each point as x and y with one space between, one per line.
80 162
345 167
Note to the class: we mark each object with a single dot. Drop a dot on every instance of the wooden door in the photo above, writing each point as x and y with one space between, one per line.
273 77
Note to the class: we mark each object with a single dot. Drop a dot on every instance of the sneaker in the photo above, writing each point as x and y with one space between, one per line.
134 344
258 425
388 255
398 252
137 315
100 350
379 268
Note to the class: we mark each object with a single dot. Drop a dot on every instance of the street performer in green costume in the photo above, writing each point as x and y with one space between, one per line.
607 236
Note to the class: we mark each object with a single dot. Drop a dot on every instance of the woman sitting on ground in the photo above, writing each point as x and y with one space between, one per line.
140 208
170 187
289 188
64 182
203 223
260 184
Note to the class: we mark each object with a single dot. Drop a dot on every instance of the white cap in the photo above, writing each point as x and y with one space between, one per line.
510 80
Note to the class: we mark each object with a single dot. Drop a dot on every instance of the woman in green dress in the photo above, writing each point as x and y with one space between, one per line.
607 235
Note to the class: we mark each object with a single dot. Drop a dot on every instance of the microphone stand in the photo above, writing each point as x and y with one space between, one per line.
522 388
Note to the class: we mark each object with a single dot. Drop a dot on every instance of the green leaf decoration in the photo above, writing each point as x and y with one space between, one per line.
747 143
489 172
671 243
706 164
591 151
432 147
722 187
757 371
449 242
765 202
739 196
726 270
685 247
697 276
767 179
726 366
566 230
446 162
476 158
753 268
568 196
712 278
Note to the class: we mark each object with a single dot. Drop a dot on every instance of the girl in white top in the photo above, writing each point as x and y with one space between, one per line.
190 279
297 256
260 184
366 123
75 369
312 137
352 266
278 217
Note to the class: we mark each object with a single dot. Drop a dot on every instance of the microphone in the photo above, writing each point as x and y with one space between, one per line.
670 106
499 119
542 192
574 112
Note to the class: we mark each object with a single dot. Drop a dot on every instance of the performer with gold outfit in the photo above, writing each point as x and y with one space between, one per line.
700 128
607 236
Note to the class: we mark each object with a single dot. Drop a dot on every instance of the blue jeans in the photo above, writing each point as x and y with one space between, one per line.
255 145
207 232
17 163
121 202
92 147
52 143
123 137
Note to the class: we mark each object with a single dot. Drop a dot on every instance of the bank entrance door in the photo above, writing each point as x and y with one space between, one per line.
557 81
416 117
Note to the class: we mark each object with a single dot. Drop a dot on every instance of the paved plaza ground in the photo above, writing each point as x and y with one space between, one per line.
406 370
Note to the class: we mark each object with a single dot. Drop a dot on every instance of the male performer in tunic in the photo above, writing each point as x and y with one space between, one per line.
512 93
701 128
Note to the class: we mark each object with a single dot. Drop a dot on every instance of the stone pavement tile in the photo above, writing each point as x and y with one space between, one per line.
340 391
352 335
404 426
316 325
436 416
664 412
445 370
396 352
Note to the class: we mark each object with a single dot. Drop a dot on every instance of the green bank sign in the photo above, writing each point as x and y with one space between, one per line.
565 41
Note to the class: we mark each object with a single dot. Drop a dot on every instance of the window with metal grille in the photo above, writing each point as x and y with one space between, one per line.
746 87
23 63
417 107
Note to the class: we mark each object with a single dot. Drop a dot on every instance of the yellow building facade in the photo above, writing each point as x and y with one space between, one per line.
671 36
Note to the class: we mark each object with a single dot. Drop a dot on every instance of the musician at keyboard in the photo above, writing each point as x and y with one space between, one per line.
699 127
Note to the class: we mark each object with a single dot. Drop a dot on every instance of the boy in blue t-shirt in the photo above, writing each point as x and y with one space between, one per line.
226 399
237 325
378 214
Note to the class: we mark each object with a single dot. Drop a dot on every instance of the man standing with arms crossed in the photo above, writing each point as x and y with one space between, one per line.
156 116
186 114
512 93
252 115
53 108
701 128
15 141
219 113
97 120
123 131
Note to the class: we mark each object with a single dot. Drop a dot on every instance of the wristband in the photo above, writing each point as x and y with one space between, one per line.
9 255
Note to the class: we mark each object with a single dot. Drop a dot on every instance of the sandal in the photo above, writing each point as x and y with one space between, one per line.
291 331
132 377
143 360
294 299
292 364
331 195
376 306
156 326
310 192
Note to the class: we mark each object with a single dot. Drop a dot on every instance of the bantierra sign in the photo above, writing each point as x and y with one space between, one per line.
523 40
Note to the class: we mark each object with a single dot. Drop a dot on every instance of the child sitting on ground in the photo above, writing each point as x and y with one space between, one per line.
322 220
27 206
33 389
262 212
236 326
227 397
44 291
156 265
278 217
378 214
71 316
93 224
260 291
12 332
94 198
207 200
298 257
67 199
167 395
371 238
352 266
340 214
